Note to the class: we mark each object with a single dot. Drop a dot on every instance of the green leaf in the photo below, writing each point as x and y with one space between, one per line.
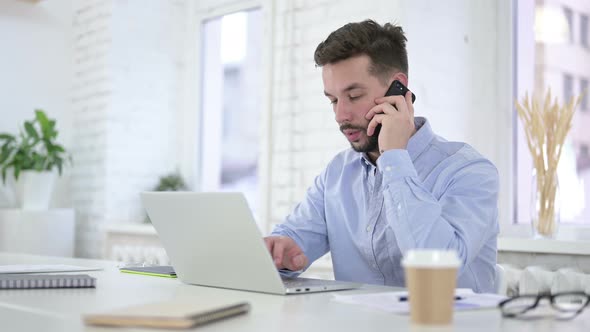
7 146
42 118
45 124
33 148
58 148
31 131
50 131
4 155
7 137
38 162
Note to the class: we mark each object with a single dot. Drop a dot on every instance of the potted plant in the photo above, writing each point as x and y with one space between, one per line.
32 158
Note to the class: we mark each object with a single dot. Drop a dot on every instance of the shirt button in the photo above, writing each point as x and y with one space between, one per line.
368 228
388 168
399 207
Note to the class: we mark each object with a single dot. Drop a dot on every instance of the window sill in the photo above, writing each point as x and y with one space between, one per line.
543 246
505 243
130 229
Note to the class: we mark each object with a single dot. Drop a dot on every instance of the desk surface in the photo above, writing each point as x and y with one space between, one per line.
61 309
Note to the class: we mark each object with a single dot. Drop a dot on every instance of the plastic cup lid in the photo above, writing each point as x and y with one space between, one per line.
431 258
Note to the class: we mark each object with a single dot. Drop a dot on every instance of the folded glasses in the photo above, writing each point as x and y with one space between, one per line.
564 306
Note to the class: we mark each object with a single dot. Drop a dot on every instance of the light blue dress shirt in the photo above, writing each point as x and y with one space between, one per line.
435 194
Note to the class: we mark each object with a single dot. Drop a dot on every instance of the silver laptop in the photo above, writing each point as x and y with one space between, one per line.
212 240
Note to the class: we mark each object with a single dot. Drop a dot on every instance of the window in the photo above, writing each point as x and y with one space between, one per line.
542 62
230 104
569 16
584 90
568 87
584 151
584 30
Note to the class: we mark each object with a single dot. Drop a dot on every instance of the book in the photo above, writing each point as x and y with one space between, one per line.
166 271
168 314
28 281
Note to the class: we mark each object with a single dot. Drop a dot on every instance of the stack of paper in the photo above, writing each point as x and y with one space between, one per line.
396 301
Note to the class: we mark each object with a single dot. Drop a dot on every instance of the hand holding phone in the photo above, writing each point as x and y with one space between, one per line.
400 129
397 88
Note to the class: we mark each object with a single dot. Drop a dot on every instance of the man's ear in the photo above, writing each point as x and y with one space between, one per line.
400 77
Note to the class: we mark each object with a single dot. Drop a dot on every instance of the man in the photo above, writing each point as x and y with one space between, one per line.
399 187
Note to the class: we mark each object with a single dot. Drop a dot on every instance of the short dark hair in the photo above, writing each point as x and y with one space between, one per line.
385 45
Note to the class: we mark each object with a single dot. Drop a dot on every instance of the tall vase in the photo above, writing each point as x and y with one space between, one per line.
545 204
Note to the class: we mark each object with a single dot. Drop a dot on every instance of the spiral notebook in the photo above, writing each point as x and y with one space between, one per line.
29 281
168 314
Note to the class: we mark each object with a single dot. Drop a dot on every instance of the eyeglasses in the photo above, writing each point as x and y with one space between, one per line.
566 305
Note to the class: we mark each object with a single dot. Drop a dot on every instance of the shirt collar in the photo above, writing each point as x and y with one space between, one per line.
365 161
416 145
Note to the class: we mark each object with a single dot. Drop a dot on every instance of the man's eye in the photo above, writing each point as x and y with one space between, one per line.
333 102
354 97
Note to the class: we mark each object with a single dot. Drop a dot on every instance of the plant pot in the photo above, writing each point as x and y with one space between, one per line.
33 189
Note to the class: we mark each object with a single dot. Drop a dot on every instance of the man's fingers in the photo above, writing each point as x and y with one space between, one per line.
277 253
392 100
382 108
377 119
285 253
269 243
409 103
299 262
295 262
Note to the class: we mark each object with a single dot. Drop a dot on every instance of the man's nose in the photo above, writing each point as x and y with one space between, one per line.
342 112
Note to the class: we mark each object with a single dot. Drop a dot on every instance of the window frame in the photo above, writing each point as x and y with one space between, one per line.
584 31
508 79
585 103
190 117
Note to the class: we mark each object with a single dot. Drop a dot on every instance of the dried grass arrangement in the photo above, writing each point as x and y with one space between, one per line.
546 124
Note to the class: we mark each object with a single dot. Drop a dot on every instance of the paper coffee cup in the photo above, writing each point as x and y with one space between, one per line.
431 277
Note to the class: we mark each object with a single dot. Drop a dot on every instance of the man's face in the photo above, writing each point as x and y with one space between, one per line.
352 90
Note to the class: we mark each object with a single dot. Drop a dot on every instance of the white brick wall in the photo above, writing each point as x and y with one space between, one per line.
448 60
449 55
127 68
305 135
128 83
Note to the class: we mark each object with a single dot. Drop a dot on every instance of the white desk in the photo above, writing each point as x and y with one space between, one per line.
61 309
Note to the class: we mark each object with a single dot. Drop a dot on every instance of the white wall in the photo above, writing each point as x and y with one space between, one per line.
136 70
35 69
457 63
127 88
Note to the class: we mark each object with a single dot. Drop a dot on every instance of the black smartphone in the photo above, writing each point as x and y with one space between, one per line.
397 88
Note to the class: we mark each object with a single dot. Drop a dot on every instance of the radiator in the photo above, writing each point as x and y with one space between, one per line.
538 279
138 254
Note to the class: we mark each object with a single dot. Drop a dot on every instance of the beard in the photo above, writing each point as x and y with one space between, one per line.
372 142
